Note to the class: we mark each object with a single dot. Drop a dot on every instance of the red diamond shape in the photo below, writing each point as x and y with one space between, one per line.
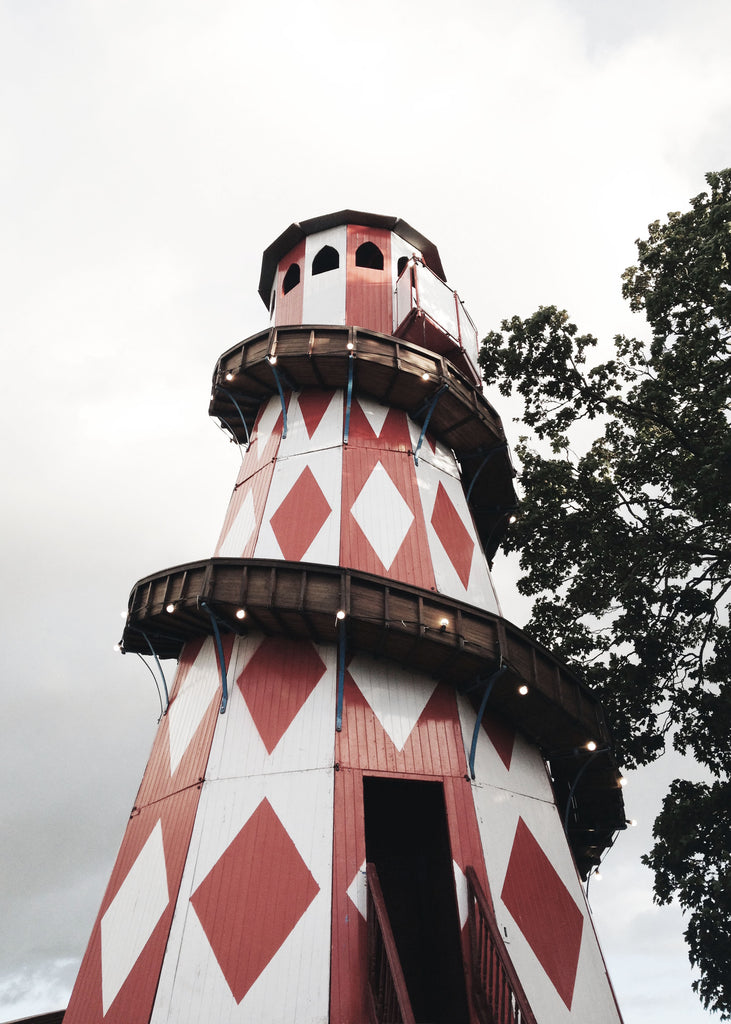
544 910
452 533
502 737
300 517
313 406
276 682
252 898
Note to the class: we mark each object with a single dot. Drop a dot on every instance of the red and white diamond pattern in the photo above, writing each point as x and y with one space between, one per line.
200 686
460 568
302 517
298 500
539 902
260 858
503 756
131 917
255 860
396 696
314 421
279 715
246 506
382 514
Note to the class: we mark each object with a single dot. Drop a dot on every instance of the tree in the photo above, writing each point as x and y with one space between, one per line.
625 546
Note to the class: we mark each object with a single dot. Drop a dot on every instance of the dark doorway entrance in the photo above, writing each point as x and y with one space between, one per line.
407 838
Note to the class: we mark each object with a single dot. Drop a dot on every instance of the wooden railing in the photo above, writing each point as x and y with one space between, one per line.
497 994
387 995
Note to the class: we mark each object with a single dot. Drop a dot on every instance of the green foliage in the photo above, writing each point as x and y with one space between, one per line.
626 545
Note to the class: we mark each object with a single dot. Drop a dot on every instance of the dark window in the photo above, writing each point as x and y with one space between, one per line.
326 259
401 265
369 255
291 278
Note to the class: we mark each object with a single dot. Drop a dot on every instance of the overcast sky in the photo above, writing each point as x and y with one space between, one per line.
150 152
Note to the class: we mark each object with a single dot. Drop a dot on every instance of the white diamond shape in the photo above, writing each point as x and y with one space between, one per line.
375 413
131 917
358 891
267 423
396 696
192 702
460 883
382 514
241 529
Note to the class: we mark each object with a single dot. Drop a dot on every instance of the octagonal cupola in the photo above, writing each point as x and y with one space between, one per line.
365 270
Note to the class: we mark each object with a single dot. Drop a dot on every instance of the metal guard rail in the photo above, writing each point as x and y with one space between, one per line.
388 997
497 995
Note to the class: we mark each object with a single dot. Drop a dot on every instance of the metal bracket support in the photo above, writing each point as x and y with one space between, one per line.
432 407
281 398
349 398
238 410
153 652
221 657
341 676
478 722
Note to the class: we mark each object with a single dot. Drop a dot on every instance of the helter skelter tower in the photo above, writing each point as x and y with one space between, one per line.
371 797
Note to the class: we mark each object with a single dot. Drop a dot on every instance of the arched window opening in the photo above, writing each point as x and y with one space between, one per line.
291 278
369 255
401 265
326 259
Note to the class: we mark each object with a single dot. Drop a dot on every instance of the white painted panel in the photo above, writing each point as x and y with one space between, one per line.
309 742
527 773
442 458
396 696
241 530
498 812
265 425
324 294
327 434
382 514
131 917
294 986
326 468
375 412
479 591
200 686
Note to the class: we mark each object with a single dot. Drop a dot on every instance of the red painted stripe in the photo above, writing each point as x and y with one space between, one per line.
289 307
368 299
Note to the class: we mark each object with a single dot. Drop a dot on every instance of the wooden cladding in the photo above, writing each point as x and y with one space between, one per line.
405 376
419 629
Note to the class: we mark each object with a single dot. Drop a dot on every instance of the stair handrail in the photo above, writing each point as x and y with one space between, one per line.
497 994
388 996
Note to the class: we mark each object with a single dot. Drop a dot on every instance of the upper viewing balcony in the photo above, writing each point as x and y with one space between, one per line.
427 312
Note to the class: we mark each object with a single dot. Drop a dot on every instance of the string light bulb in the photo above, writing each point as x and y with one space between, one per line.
340 615
522 690
591 745
170 608
241 613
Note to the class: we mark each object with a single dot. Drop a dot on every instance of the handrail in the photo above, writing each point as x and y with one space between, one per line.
497 994
389 1001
